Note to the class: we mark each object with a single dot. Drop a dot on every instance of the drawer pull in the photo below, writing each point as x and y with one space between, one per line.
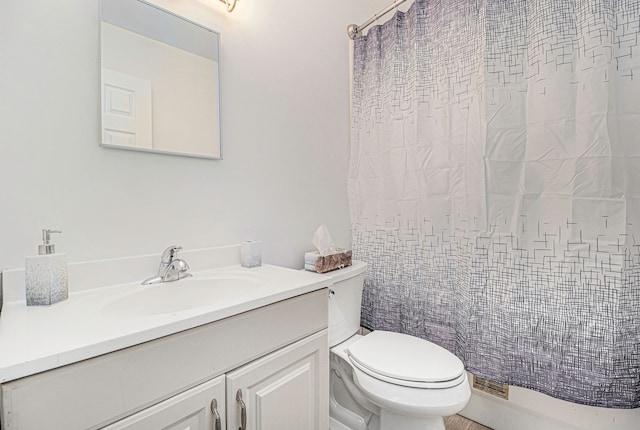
216 414
243 411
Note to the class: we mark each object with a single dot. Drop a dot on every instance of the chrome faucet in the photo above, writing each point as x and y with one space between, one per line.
171 268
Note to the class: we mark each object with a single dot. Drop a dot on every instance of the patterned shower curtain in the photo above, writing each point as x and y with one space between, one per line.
494 188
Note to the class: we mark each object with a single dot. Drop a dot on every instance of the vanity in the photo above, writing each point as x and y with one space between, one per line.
229 347
250 353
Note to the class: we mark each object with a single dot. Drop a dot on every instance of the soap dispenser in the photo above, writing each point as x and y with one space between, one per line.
46 278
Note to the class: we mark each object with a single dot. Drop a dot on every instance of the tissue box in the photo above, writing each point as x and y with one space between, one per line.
315 262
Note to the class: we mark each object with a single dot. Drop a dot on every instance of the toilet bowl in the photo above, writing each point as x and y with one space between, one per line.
385 380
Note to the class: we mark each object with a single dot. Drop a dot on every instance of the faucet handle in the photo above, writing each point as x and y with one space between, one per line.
179 265
169 254
177 269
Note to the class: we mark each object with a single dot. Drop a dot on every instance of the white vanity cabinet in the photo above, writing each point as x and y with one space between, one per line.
287 389
277 355
200 408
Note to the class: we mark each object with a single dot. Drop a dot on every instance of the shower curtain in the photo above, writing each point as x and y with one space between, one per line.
494 188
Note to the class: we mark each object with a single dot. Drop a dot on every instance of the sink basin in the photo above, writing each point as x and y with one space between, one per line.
189 293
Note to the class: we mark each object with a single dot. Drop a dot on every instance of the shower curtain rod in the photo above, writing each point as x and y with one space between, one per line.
353 30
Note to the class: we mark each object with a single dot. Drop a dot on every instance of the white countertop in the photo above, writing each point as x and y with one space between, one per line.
35 339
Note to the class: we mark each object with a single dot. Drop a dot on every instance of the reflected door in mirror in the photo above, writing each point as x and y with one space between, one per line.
159 78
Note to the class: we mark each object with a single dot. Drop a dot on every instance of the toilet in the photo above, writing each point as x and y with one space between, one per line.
385 380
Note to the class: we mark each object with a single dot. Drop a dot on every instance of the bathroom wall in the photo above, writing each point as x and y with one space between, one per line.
285 124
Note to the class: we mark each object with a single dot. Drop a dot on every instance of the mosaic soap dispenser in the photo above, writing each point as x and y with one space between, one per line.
46 278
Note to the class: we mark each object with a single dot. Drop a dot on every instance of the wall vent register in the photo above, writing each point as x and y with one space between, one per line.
489 386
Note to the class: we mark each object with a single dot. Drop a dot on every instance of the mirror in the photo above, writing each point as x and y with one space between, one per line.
159 81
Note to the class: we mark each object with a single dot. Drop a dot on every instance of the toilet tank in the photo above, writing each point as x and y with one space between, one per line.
345 299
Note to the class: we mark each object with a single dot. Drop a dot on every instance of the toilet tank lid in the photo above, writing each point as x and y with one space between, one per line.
405 358
356 268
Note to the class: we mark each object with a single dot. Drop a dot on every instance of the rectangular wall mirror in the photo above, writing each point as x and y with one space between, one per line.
160 88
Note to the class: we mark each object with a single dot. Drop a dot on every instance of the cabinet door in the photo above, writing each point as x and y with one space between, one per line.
190 410
285 390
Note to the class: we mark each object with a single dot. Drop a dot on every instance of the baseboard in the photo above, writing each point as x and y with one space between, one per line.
530 410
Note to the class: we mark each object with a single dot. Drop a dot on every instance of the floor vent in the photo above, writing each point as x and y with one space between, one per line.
494 388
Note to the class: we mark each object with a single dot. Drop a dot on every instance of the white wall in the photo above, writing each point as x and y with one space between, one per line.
285 125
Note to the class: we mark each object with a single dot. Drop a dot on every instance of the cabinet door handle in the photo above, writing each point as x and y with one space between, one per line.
216 414
243 411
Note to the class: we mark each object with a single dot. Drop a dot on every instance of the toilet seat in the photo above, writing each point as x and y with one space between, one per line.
413 401
405 360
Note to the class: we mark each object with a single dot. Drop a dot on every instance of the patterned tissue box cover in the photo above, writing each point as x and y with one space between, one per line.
315 262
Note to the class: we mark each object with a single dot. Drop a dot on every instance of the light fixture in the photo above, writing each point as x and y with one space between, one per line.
231 4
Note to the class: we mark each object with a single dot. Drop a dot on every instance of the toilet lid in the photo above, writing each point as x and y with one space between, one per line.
404 358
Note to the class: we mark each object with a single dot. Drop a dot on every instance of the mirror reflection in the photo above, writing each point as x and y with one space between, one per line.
159 81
